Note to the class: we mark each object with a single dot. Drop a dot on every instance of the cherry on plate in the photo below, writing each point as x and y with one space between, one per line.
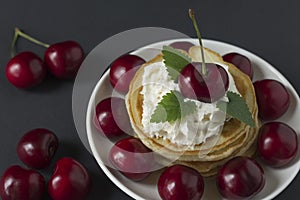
111 117
70 180
206 88
272 97
25 70
183 45
241 62
180 182
277 144
19 183
122 71
132 158
37 147
240 178
63 59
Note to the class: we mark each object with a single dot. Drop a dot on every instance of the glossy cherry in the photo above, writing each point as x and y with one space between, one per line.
272 97
25 70
240 178
70 180
111 117
64 59
132 158
37 147
122 71
183 45
18 183
241 62
277 144
206 88
180 182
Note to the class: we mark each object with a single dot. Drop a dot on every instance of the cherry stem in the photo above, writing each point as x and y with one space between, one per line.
18 33
192 16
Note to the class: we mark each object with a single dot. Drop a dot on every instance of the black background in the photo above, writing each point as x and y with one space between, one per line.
267 28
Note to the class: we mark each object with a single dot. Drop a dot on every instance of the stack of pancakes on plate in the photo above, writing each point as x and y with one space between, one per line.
236 138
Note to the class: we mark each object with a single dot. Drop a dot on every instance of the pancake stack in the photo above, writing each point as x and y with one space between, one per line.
236 138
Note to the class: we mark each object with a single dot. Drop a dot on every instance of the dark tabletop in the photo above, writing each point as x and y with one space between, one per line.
270 29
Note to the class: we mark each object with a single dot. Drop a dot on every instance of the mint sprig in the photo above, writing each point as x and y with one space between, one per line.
172 107
236 108
175 61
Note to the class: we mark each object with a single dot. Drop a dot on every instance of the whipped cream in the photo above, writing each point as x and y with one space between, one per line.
195 128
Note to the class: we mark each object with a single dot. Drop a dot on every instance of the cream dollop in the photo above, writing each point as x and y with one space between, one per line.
195 128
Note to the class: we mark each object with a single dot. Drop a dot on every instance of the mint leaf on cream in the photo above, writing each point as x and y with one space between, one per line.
237 108
175 61
172 107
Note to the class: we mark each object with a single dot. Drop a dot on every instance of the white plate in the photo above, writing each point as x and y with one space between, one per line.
276 179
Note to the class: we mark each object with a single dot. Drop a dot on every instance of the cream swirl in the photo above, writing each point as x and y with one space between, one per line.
195 128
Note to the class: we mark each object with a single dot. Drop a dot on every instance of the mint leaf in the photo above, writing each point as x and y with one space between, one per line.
175 61
237 108
172 107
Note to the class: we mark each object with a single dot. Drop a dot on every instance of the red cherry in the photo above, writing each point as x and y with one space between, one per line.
64 59
272 97
111 117
185 46
240 178
19 183
206 88
241 62
37 147
180 182
70 180
25 70
277 144
122 71
132 158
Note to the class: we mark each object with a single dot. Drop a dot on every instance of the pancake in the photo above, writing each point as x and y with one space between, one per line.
235 139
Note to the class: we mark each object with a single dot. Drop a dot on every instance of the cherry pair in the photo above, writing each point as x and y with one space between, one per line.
70 180
27 69
239 178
